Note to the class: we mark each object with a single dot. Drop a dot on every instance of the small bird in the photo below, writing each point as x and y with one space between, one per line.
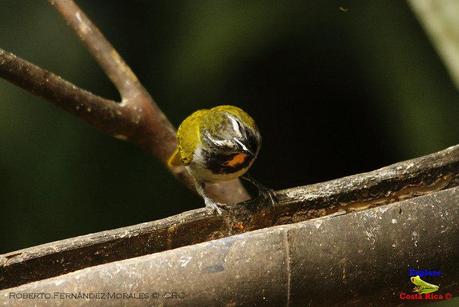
216 144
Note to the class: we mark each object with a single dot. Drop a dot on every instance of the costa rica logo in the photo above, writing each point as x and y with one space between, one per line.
424 290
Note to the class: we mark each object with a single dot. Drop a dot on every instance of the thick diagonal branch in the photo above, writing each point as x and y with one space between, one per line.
423 176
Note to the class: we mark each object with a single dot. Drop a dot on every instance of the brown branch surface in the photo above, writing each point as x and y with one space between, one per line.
404 180
361 257
137 118
102 113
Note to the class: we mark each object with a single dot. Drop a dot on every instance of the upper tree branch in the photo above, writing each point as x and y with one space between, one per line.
99 112
152 130
107 57
137 118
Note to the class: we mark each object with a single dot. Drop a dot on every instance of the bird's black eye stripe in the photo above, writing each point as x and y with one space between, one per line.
240 128
253 142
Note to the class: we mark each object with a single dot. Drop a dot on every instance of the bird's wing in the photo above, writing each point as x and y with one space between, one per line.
188 136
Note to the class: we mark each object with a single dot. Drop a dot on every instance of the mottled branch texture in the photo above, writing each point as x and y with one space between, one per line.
137 118
363 207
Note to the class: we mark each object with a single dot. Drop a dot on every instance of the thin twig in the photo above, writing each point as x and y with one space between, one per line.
137 118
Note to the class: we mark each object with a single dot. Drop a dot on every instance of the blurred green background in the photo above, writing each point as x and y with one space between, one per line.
335 91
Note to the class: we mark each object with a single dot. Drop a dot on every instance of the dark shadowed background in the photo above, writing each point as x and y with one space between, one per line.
336 88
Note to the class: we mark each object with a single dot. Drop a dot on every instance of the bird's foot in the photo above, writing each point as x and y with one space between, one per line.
265 195
217 207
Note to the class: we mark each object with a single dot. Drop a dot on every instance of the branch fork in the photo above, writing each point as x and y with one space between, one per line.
137 118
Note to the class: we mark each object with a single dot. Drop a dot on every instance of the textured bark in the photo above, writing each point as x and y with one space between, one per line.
404 180
356 259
